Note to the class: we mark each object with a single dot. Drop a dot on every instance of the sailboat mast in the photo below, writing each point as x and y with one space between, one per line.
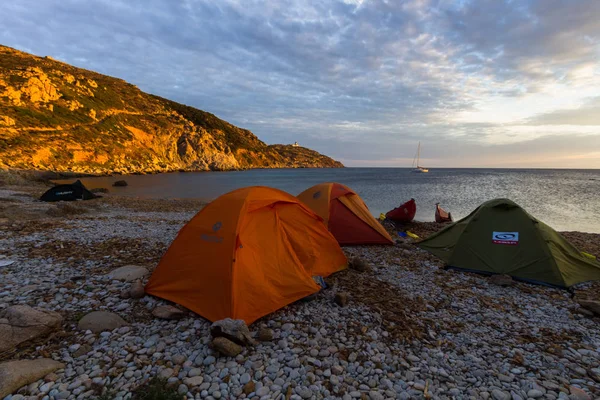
418 154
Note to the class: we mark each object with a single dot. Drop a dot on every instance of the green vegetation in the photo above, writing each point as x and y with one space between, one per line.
235 137
303 157
156 389
33 117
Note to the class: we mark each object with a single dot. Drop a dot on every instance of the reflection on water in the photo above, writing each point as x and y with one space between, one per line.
564 199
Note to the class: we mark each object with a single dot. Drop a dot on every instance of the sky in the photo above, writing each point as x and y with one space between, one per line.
480 83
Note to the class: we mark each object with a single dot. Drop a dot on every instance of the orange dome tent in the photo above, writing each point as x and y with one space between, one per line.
345 214
245 255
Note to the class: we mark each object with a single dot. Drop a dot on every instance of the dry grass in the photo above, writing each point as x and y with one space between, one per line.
399 313
109 253
154 205
63 210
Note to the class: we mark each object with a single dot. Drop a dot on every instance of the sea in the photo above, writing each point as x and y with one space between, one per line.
567 200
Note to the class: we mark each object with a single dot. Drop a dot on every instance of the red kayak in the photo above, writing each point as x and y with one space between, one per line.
404 213
442 215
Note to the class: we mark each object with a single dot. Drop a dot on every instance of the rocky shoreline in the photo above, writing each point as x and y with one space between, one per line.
406 328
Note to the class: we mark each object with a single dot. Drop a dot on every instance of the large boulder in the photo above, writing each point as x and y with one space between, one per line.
22 323
99 321
168 312
18 373
591 305
235 330
120 183
128 273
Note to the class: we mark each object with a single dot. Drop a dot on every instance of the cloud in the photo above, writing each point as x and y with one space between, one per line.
348 76
587 114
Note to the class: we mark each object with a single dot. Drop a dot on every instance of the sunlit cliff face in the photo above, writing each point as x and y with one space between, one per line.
479 83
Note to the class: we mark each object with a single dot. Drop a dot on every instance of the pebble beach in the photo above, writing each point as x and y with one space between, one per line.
409 330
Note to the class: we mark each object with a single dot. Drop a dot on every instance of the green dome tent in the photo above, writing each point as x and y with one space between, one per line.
499 237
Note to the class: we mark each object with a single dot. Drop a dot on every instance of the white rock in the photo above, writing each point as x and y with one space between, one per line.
100 321
128 273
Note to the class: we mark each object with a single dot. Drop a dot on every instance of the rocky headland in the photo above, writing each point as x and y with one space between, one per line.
396 326
56 117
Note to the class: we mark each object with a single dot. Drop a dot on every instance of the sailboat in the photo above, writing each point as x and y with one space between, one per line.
416 166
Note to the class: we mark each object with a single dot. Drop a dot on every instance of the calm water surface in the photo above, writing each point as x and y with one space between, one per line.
564 199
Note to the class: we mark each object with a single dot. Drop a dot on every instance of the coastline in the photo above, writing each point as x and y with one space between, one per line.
411 329
48 175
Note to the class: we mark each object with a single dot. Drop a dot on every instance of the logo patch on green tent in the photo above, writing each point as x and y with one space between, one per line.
510 238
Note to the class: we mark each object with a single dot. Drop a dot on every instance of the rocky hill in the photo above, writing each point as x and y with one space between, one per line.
56 117
301 157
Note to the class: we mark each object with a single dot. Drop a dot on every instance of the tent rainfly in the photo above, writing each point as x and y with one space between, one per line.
245 255
499 237
345 214
68 192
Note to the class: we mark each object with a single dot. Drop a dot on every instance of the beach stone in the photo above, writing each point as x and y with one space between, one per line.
534 393
22 323
99 321
137 290
234 330
360 265
287 327
341 299
337 370
16 374
501 280
166 373
265 335
120 183
128 273
500 395
51 377
262 391
304 392
249 388
209 360
178 359
83 350
245 378
373 395
226 347
591 305
193 381
578 394
168 312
